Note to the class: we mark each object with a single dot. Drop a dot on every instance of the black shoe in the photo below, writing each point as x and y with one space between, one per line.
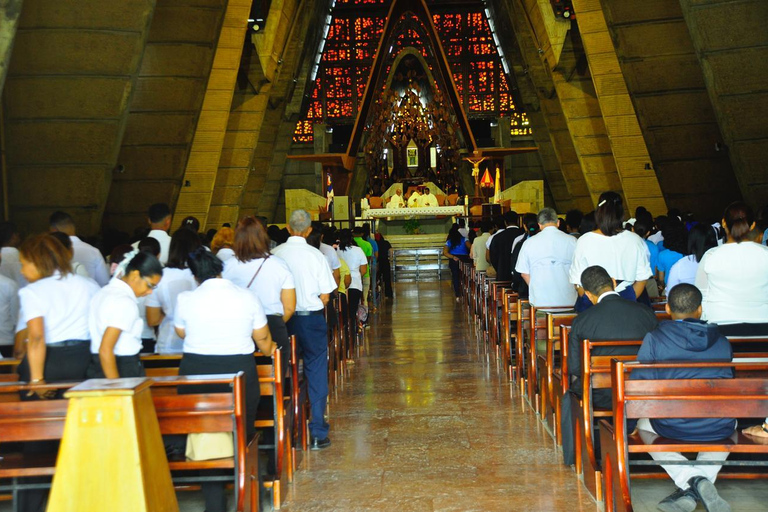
319 444
679 501
707 494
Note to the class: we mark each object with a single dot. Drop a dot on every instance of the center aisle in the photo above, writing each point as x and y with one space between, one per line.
425 422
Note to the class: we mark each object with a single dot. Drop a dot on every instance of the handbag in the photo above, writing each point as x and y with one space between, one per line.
210 445
362 313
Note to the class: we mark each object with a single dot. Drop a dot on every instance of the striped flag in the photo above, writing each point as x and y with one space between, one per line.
329 194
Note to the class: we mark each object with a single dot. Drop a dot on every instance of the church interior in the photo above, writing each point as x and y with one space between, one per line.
448 385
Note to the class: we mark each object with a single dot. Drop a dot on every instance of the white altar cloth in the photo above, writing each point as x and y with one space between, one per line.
427 211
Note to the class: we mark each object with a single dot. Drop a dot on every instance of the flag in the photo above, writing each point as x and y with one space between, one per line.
497 192
329 194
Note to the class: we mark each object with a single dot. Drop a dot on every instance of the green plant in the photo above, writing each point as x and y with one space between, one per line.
411 226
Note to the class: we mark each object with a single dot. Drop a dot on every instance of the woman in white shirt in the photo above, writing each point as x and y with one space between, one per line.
733 278
621 253
115 323
358 267
54 308
701 238
219 323
264 275
177 278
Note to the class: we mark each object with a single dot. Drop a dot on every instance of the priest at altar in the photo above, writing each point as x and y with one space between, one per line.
427 199
415 199
396 201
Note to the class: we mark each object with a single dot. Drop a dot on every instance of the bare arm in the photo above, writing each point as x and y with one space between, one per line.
107 352
154 316
36 348
20 344
347 281
337 276
363 270
638 286
325 297
288 298
263 340
488 255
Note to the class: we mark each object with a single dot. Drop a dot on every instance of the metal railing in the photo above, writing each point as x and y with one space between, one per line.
419 265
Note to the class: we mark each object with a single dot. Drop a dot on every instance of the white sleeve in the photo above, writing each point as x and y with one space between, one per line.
100 273
674 276
643 263
179 314
259 317
31 305
335 263
523 265
153 301
578 265
119 315
327 282
702 280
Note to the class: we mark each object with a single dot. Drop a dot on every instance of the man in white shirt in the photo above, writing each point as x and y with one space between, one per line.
544 263
159 219
428 199
314 285
9 314
415 200
396 201
85 254
10 265
478 246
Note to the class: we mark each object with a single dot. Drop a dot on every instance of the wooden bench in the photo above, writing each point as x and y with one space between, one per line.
43 420
551 385
535 335
745 396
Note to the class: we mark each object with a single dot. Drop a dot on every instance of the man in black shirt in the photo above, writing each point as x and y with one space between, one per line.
501 247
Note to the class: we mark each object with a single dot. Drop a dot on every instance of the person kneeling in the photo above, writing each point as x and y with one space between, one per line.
687 338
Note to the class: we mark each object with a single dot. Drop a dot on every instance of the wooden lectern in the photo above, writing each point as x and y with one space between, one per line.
112 456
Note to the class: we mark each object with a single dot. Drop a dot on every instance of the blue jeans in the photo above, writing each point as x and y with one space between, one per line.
312 333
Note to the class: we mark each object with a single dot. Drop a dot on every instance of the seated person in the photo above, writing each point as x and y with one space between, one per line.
687 338
428 199
414 201
611 318
396 201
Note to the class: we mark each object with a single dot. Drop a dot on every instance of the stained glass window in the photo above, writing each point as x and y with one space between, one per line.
350 47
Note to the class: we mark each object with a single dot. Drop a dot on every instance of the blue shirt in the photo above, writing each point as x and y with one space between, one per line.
654 250
373 244
667 258
459 250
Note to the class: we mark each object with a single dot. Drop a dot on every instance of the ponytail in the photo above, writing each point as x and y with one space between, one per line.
739 218
609 215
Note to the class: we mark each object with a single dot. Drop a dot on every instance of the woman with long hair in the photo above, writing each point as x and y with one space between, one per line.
54 308
701 238
621 253
115 323
733 278
177 278
675 247
266 276
222 325
456 249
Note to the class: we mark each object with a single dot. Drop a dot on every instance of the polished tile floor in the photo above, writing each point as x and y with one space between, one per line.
424 421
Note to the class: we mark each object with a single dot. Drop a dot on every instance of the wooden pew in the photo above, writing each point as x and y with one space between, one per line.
551 385
535 331
43 420
509 313
746 396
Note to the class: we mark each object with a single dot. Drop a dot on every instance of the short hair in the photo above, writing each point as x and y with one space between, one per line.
499 222
426 190
60 220
511 217
573 218
183 243
588 223
609 214
595 279
47 254
147 265
225 237
7 231
485 225
684 298
191 223
204 265
250 240
357 230
158 212
149 245
300 221
547 216
366 230
64 239
643 225
738 219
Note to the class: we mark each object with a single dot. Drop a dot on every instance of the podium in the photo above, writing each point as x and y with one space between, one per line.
112 455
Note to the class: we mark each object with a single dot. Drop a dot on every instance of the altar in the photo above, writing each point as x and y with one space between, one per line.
402 221
426 211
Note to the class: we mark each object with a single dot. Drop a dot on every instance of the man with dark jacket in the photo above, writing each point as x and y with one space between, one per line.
686 338
612 318
500 249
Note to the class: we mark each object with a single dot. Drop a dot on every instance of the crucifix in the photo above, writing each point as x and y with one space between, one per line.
476 161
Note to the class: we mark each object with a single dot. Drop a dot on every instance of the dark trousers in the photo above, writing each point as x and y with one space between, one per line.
6 350
455 276
601 398
127 367
62 364
196 364
385 275
279 332
312 334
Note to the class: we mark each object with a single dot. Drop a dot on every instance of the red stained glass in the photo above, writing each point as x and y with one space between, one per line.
351 45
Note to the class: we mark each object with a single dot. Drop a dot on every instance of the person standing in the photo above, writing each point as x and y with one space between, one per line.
10 266
368 251
544 262
501 246
159 219
221 325
85 254
9 314
456 249
314 284
177 278
115 323
477 252
385 270
358 266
